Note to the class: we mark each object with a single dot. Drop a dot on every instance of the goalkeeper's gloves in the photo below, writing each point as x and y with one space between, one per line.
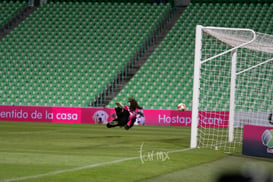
119 105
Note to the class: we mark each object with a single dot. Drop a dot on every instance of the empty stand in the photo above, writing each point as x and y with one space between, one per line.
166 78
65 53
8 9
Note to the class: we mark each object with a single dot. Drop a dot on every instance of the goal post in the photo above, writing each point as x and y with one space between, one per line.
232 85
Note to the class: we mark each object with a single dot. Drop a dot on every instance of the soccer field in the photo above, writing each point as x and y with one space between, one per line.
84 152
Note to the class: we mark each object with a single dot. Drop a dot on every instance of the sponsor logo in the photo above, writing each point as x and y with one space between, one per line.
267 140
174 120
212 121
100 117
186 121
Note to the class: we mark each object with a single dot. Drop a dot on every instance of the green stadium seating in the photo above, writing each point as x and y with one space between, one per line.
166 78
65 53
8 9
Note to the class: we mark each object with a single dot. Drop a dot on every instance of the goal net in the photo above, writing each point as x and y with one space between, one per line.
233 85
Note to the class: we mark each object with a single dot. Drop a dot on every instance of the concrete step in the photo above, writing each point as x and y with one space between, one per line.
16 20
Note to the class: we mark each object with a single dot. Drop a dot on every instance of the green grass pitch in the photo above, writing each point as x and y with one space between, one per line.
82 152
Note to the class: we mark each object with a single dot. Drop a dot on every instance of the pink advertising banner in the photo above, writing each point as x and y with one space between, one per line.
258 141
40 114
178 118
167 117
104 115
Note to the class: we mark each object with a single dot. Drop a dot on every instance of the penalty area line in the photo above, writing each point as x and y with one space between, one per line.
69 170
81 168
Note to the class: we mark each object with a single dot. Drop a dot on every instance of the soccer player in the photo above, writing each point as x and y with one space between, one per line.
126 115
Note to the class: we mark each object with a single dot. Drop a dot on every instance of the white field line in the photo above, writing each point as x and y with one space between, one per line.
52 173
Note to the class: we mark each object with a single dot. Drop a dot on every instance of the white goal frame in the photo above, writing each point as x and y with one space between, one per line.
196 80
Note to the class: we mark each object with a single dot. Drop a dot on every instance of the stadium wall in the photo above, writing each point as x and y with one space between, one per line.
103 115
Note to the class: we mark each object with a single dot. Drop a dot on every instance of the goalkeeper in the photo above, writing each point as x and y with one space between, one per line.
126 115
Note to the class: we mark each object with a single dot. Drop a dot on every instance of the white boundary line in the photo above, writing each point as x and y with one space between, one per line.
82 167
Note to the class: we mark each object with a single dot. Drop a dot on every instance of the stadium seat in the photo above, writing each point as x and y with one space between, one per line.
169 69
78 45
8 9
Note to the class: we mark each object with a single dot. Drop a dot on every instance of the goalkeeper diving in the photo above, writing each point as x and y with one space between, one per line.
125 115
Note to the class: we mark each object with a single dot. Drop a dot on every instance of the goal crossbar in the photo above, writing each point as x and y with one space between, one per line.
226 40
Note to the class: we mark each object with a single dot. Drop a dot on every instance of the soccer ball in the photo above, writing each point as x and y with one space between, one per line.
181 107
